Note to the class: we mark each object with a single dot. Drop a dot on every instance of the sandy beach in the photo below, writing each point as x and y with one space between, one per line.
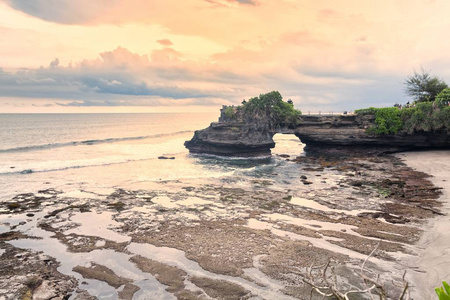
434 260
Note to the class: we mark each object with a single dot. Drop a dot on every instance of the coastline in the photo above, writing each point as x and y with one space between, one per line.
434 259
234 236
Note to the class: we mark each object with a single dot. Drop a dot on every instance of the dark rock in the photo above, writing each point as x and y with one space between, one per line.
305 182
50 191
28 171
356 183
303 177
165 157
13 205
231 139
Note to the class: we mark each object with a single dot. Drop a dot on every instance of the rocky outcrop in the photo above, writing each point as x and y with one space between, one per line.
338 132
230 137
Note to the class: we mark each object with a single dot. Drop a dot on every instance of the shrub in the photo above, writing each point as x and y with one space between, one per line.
441 119
422 117
271 106
419 117
443 292
366 111
229 112
387 121
443 98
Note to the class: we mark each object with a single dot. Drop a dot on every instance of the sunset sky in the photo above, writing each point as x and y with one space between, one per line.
195 55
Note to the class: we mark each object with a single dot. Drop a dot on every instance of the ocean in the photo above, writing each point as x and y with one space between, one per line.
92 152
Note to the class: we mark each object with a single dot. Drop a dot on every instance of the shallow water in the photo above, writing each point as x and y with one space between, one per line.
96 224
119 262
177 258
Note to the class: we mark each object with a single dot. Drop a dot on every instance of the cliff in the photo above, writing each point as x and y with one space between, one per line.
350 131
240 137
233 136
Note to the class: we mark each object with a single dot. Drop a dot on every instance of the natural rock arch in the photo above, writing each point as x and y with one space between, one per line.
236 137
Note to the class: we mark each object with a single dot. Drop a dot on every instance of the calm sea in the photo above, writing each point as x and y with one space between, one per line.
73 152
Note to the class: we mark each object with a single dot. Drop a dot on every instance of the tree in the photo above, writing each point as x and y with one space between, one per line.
443 98
272 109
423 87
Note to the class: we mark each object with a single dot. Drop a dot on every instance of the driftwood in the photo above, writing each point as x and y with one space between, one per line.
326 285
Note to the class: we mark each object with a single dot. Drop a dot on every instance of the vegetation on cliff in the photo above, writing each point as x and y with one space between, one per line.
420 117
268 108
430 112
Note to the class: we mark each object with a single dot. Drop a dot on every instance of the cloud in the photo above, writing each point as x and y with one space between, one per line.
63 11
123 78
54 63
227 3
119 77
249 2
339 54
165 42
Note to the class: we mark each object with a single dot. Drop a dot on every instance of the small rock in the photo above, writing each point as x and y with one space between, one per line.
166 157
303 177
306 182
28 171
44 257
13 205
355 183
45 291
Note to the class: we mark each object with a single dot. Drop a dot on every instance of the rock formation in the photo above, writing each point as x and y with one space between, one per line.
231 137
249 138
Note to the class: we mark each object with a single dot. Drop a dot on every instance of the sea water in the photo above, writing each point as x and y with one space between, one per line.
76 152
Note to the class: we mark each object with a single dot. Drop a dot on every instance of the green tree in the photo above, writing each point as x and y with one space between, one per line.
423 87
443 98
271 107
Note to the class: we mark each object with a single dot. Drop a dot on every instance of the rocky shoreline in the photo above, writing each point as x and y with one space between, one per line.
221 241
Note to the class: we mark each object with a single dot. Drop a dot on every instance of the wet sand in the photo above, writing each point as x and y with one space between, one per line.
434 260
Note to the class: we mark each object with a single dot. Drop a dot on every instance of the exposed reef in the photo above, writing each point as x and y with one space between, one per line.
238 136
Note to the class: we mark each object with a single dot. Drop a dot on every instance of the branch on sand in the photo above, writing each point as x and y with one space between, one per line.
324 282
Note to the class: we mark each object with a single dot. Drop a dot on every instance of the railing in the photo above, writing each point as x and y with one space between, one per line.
327 113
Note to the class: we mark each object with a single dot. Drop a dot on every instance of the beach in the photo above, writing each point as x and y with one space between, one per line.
434 258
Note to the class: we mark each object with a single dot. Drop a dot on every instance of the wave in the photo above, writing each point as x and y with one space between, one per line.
63 168
88 142
231 158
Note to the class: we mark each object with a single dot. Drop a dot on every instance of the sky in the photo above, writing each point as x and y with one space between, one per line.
197 55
